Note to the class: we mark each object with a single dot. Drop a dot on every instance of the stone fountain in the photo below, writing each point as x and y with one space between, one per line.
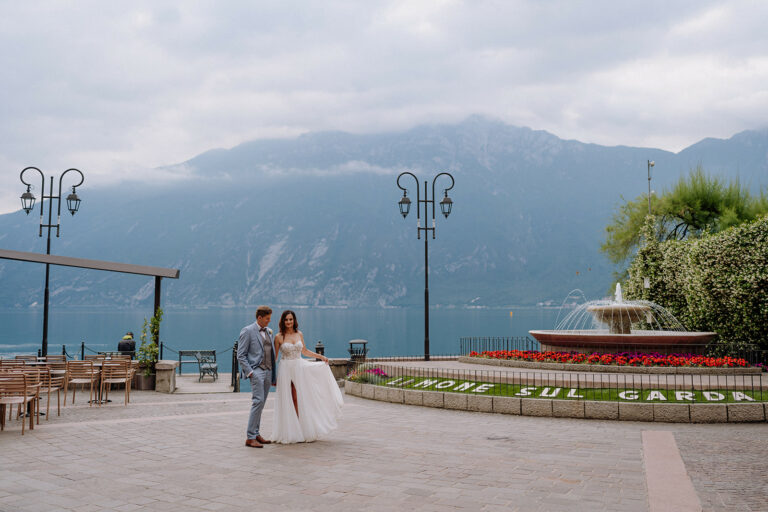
632 326
620 315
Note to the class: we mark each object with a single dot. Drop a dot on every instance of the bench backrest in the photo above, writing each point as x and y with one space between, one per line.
192 353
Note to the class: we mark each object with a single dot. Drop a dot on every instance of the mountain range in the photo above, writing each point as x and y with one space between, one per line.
313 220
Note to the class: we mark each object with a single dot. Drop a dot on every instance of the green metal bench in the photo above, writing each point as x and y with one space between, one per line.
206 361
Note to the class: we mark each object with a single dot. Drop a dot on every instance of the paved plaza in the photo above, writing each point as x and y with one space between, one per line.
185 452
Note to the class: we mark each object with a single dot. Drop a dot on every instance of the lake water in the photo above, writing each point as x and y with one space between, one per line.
390 332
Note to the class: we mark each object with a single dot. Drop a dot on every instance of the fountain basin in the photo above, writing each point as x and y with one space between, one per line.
588 341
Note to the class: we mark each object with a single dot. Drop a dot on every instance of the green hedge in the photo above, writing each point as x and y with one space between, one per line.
716 283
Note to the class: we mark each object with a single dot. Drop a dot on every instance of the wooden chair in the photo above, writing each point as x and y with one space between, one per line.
4 370
34 381
55 358
94 357
58 384
52 381
11 363
59 377
15 390
26 357
116 371
58 366
81 372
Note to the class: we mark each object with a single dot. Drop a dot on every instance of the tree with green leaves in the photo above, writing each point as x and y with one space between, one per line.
696 205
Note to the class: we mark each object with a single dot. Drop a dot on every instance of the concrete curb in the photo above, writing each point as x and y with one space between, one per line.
635 412
583 409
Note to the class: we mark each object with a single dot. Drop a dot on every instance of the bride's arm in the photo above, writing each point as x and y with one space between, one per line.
305 351
278 342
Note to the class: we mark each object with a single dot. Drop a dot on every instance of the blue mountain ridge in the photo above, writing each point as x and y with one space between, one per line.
313 220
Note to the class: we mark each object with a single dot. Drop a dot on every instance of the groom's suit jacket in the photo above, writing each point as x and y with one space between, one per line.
250 350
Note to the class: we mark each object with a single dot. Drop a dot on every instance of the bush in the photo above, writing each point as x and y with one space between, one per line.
715 283
368 374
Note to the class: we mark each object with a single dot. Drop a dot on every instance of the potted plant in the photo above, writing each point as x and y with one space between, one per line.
148 352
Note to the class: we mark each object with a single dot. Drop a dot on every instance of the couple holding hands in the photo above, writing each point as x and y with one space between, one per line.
308 401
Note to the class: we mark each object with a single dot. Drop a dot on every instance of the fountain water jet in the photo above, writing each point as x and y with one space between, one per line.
656 329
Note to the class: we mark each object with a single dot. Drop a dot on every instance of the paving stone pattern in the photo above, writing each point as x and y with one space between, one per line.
728 469
185 452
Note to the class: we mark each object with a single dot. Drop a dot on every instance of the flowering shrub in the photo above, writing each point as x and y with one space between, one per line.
716 283
369 375
377 371
618 359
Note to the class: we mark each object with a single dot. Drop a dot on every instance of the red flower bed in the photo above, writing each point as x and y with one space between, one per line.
618 359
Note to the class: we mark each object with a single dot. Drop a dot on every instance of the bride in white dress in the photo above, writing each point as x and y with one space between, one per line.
308 402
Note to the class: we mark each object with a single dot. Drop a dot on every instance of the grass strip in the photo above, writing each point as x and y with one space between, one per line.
608 394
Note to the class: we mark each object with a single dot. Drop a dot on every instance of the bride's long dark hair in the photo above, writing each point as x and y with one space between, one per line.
282 321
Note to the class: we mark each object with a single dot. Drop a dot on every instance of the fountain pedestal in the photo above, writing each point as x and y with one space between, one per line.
620 316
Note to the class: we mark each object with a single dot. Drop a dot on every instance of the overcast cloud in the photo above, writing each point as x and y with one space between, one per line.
119 88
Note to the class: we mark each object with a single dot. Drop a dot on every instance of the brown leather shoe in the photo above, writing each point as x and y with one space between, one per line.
262 440
253 443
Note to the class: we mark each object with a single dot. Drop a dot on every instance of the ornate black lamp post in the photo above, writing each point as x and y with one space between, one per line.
28 203
445 207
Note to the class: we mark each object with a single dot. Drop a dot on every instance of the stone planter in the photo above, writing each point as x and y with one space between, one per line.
165 382
144 383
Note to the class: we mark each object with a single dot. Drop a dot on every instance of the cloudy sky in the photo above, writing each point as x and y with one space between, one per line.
118 88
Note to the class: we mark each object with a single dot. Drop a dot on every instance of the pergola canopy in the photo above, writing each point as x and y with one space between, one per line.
109 266
65 261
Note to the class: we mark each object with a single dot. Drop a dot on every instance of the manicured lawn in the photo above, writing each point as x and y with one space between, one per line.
616 394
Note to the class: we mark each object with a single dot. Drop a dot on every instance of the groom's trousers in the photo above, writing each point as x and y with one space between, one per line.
260 384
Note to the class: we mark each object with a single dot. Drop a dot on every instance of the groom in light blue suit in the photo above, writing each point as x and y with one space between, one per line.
256 355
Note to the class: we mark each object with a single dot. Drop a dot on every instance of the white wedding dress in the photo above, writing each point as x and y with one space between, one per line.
317 395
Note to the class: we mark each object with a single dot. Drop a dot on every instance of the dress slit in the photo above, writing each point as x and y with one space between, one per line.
295 397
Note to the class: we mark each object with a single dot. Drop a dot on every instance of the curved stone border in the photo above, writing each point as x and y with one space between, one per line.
668 413
600 368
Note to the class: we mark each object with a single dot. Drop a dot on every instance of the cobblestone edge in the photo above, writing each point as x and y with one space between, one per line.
619 411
